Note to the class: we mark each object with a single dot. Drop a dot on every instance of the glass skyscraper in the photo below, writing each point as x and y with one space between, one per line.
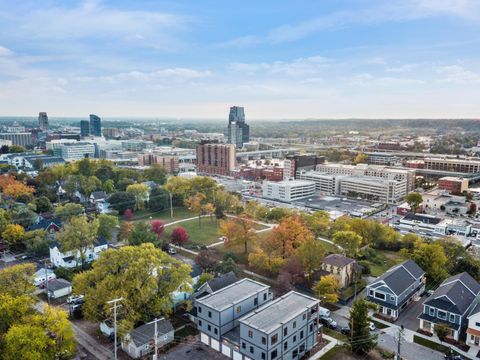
84 128
95 125
238 129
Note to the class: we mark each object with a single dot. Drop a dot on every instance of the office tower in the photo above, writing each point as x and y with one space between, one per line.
43 121
84 128
95 125
214 158
238 130
24 139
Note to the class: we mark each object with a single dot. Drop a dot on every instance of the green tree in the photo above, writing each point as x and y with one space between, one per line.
318 222
432 259
122 201
78 235
159 199
311 254
64 212
156 173
13 234
4 220
196 205
414 200
89 184
327 289
360 340
144 276
13 308
141 233
204 277
442 330
17 280
140 191
227 266
106 225
43 204
360 159
23 216
85 167
349 241
109 186
37 242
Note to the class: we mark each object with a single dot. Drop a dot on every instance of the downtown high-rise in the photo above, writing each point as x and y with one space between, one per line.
84 128
43 121
95 125
238 130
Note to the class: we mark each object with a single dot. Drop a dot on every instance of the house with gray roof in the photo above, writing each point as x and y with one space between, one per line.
139 342
216 284
285 328
397 288
451 304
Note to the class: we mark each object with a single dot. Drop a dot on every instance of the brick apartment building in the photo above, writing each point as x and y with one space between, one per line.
214 158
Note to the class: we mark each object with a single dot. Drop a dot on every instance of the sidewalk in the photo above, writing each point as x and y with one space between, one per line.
332 343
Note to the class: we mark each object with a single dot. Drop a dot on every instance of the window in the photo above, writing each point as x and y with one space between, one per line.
285 345
477 324
294 324
302 348
274 339
264 296
255 301
199 322
215 330
441 315
304 316
273 354
263 356
452 318
301 334
285 331
264 340
380 296
209 328
371 292
432 311
239 308
294 338
209 314
244 346
199 309
295 353
392 298
250 333
251 349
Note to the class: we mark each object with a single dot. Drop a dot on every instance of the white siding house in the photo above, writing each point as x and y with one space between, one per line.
71 259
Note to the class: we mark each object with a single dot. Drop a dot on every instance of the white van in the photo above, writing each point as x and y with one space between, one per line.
324 312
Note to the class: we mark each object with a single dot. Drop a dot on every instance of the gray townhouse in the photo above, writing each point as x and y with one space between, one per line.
219 312
397 288
451 304
285 328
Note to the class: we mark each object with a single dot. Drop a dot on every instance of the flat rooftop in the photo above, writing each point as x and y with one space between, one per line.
271 315
232 294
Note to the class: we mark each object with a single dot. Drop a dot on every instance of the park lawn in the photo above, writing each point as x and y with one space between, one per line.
164 215
203 235
383 261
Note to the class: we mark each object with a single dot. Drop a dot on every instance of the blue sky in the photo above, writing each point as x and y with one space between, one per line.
279 59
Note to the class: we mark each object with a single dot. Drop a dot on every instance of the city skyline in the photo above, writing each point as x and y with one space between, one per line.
348 59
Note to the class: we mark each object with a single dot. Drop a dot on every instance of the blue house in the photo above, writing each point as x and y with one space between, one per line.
451 304
397 288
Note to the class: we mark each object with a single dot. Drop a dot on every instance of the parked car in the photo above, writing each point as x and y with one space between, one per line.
430 292
324 312
372 326
25 257
74 299
172 251
345 330
328 322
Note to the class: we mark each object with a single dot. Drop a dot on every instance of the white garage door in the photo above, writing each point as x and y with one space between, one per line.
226 351
237 355
204 338
215 344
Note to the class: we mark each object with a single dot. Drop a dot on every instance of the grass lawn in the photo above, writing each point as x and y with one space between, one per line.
383 261
335 334
205 234
430 344
164 215
329 248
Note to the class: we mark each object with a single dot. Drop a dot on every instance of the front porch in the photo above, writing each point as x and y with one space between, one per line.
428 325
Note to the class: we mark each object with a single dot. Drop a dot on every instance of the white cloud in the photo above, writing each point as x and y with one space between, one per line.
457 74
179 74
5 52
402 68
297 67
469 9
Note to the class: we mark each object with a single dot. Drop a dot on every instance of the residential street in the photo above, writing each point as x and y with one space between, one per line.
91 345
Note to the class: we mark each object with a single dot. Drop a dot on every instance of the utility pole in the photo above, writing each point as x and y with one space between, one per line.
399 342
46 280
171 205
114 302
155 340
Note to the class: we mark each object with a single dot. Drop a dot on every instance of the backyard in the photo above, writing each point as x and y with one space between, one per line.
199 235
380 261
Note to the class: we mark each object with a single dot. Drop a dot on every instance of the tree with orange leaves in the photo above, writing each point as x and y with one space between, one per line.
238 230
14 188
283 242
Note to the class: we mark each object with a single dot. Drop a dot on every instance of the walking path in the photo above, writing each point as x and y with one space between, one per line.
332 343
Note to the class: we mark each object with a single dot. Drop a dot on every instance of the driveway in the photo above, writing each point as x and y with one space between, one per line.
409 351
192 351
408 318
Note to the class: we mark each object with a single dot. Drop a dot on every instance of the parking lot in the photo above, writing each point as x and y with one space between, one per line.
192 350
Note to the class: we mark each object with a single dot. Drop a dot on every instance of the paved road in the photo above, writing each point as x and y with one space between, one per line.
409 351
91 345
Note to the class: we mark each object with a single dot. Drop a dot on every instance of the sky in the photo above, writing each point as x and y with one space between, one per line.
277 58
